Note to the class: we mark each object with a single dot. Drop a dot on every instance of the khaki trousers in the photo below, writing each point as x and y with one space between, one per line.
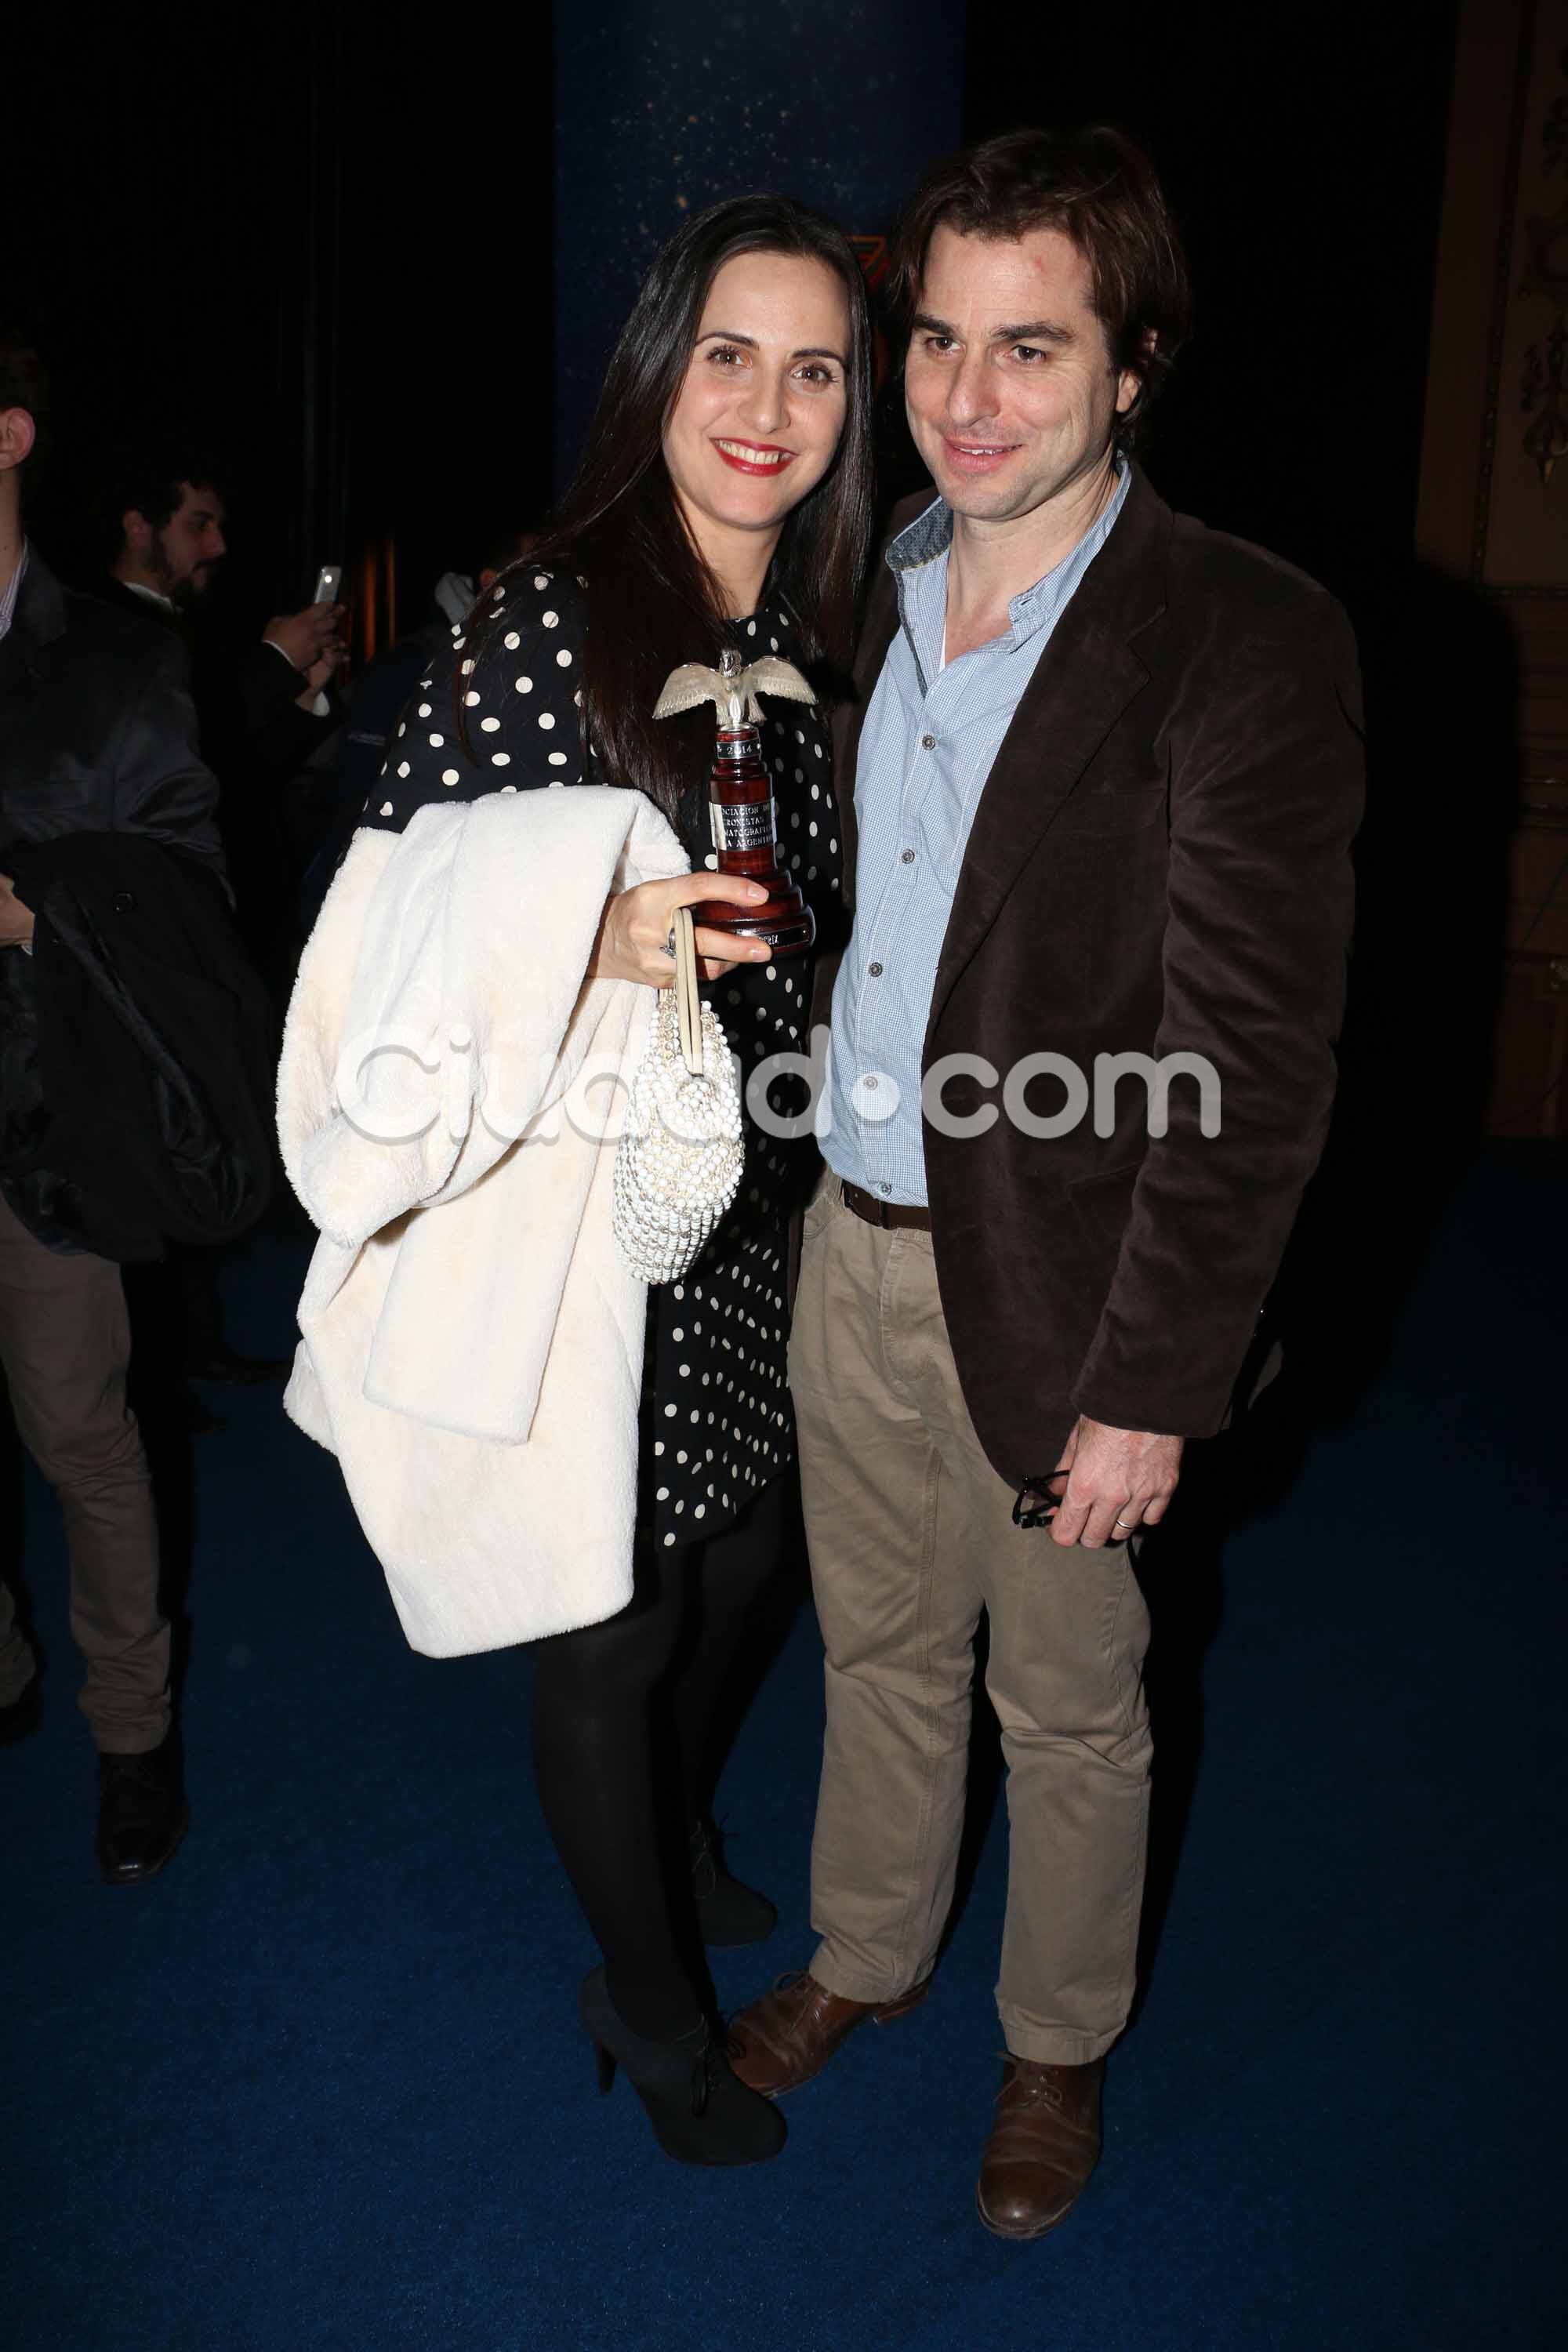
65 1344
912 1535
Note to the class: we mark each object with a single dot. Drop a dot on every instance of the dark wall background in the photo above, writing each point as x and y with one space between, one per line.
1302 147
665 109
378 253
322 236
156 228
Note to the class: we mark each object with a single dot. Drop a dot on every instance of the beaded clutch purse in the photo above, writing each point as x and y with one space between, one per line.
678 1162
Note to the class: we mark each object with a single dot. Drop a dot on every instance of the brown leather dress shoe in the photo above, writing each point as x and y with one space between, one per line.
789 2035
1043 2144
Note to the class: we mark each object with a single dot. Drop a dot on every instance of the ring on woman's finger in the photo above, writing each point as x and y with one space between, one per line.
668 947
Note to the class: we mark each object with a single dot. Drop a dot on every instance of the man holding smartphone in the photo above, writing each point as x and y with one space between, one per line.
172 540
1097 792
265 705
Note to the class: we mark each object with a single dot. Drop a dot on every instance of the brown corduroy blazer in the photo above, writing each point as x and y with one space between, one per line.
1159 863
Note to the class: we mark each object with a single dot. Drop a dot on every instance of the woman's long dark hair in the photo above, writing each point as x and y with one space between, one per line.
652 602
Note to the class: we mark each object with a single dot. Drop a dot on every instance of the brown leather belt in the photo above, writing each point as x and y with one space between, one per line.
882 1212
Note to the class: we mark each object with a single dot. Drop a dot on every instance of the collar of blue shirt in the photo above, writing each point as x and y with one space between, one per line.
926 541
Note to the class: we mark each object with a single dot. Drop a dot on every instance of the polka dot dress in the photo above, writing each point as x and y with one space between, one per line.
716 1423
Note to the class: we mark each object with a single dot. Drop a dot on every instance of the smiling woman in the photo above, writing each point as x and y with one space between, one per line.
764 400
751 328
723 501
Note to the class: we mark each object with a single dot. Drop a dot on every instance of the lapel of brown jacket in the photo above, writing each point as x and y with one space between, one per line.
1082 683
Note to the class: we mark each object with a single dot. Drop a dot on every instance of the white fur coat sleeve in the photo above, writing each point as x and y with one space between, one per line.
471 1345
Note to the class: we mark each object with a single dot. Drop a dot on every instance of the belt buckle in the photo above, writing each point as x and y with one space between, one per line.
871 1212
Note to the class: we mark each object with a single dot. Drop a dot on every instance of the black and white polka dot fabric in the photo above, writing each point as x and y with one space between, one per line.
716 1423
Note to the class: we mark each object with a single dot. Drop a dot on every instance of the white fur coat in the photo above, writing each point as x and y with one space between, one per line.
471 1345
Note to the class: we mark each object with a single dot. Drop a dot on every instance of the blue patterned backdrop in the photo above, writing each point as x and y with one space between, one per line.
662 107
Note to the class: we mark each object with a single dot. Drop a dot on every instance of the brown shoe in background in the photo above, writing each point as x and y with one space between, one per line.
789 2035
1043 2144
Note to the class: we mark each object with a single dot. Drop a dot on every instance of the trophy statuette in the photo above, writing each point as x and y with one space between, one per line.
741 806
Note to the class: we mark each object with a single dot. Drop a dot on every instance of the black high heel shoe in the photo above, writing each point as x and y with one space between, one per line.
700 2112
728 1911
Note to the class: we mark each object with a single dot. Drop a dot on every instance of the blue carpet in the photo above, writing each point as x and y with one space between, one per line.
322 2085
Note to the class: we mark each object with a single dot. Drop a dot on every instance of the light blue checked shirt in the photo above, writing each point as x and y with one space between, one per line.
926 749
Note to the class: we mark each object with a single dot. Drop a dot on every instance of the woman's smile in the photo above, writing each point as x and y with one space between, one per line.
754 456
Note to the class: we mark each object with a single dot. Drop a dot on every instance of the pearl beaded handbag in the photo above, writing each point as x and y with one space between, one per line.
678 1162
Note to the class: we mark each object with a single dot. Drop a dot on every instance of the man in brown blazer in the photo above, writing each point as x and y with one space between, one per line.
1096 788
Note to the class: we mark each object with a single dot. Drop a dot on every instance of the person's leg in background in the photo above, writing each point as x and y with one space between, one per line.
65 1346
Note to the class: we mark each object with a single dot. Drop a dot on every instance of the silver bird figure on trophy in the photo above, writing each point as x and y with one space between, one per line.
731 689
740 809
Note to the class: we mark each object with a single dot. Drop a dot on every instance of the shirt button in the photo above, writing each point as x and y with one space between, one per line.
928 742
884 1188
875 970
908 857
870 1085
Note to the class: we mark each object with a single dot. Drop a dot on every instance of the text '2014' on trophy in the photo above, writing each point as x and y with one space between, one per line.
740 796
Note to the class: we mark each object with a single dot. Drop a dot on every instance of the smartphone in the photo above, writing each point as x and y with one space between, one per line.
329 579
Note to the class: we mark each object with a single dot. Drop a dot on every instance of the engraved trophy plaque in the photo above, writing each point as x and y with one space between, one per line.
741 797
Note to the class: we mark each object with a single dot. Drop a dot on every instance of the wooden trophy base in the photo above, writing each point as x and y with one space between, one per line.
784 919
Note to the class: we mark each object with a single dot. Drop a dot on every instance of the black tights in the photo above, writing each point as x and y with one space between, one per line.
623 1716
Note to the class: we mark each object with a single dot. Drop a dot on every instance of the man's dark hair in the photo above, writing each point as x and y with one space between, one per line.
1098 188
151 478
25 383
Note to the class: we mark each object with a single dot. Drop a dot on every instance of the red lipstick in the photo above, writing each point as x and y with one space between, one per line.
770 457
